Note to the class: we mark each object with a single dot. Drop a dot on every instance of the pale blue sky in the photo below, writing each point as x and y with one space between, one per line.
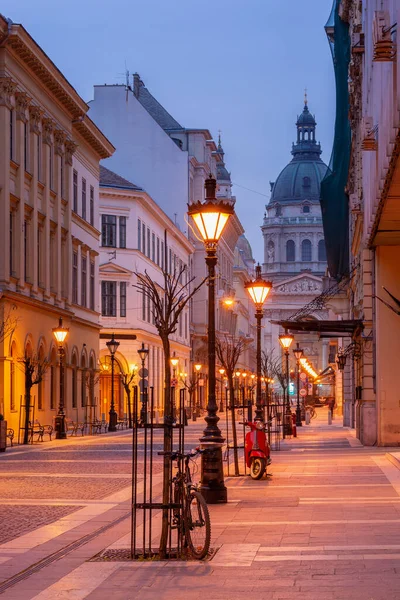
236 65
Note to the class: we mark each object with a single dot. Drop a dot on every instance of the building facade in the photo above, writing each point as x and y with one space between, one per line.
136 237
294 245
365 33
49 173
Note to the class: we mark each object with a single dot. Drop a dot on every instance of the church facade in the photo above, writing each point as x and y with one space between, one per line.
294 246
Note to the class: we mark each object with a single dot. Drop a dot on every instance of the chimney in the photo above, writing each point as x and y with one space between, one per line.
136 84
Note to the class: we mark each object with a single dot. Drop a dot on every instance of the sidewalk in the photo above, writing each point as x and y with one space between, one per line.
324 525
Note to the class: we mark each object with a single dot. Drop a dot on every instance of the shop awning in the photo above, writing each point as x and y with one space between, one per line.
326 329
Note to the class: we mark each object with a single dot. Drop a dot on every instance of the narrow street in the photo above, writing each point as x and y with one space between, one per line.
324 525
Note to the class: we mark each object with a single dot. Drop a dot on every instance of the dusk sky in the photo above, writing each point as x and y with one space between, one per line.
230 65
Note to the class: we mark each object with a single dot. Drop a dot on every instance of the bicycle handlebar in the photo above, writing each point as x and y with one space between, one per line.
176 455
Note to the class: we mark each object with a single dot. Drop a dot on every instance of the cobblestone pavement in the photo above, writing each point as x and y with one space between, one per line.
17 520
324 525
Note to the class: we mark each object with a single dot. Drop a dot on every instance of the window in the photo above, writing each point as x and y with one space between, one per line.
153 247
39 255
109 298
306 251
26 147
148 243
51 165
84 282
11 134
143 304
75 278
186 325
306 182
62 177
91 206
25 250
180 325
75 192
12 385
52 387
83 389
122 299
162 255
143 238
158 251
122 232
321 251
278 211
39 156
109 231
170 261
139 234
11 246
306 209
74 387
83 198
290 251
91 290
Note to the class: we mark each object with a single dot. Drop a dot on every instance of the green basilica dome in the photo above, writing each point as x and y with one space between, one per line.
301 179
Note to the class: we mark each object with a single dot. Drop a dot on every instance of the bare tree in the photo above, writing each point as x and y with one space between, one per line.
167 304
228 349
34 368
8 322
127 380
190 385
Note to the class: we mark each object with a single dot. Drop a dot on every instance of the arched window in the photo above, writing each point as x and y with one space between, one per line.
321 251
53 380
306 251
290 251
278 211
306 209
74 395
41 383
306 182
12 378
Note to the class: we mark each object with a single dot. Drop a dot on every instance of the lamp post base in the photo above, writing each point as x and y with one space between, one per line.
298 417
212 485
112 423
61 431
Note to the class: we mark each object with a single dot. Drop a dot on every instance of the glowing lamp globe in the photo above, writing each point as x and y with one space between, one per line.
285 340
60 332
258 289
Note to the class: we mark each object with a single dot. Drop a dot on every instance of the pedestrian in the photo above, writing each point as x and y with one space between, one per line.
331 404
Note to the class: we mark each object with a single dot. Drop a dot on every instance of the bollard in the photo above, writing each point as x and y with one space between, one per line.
307 417
329 417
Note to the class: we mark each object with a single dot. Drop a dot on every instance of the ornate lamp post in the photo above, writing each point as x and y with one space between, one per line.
221 404
112 346
258 291
285 340
60 333
298 352
143 353
211 217
174 363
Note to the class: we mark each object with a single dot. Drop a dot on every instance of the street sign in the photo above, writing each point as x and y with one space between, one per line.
174 382
303 392
303 376
143 373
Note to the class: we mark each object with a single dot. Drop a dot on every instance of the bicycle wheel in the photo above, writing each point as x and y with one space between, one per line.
197 525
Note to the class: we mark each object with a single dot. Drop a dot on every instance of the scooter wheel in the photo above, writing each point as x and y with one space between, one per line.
257 468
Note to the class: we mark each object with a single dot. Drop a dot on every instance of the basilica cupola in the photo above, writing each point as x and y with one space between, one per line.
306 145
223 175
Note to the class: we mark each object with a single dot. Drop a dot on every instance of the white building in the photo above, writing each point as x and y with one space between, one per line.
49 172
136 236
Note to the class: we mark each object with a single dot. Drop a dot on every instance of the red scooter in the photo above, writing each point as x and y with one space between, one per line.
256 449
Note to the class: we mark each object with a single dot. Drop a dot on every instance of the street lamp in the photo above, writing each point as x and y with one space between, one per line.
221 404
211 217
143 353
258 291
60 333
174 363
298 352
285 340
112 346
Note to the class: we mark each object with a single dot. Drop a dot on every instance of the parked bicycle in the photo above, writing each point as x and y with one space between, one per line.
194 519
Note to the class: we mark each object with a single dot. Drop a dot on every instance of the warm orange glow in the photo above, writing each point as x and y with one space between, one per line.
197 367
221 371
60 332
285 340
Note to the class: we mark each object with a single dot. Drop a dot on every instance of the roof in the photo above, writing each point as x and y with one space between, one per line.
110 179
156 110
299 181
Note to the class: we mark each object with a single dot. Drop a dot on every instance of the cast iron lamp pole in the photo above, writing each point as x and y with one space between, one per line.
258 291
298 352
174 363
221 404
285 340
143 353
210 218
60 333
112 346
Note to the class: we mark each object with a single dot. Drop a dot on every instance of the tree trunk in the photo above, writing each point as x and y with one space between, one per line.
168 419
128 394
28 388
234 434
